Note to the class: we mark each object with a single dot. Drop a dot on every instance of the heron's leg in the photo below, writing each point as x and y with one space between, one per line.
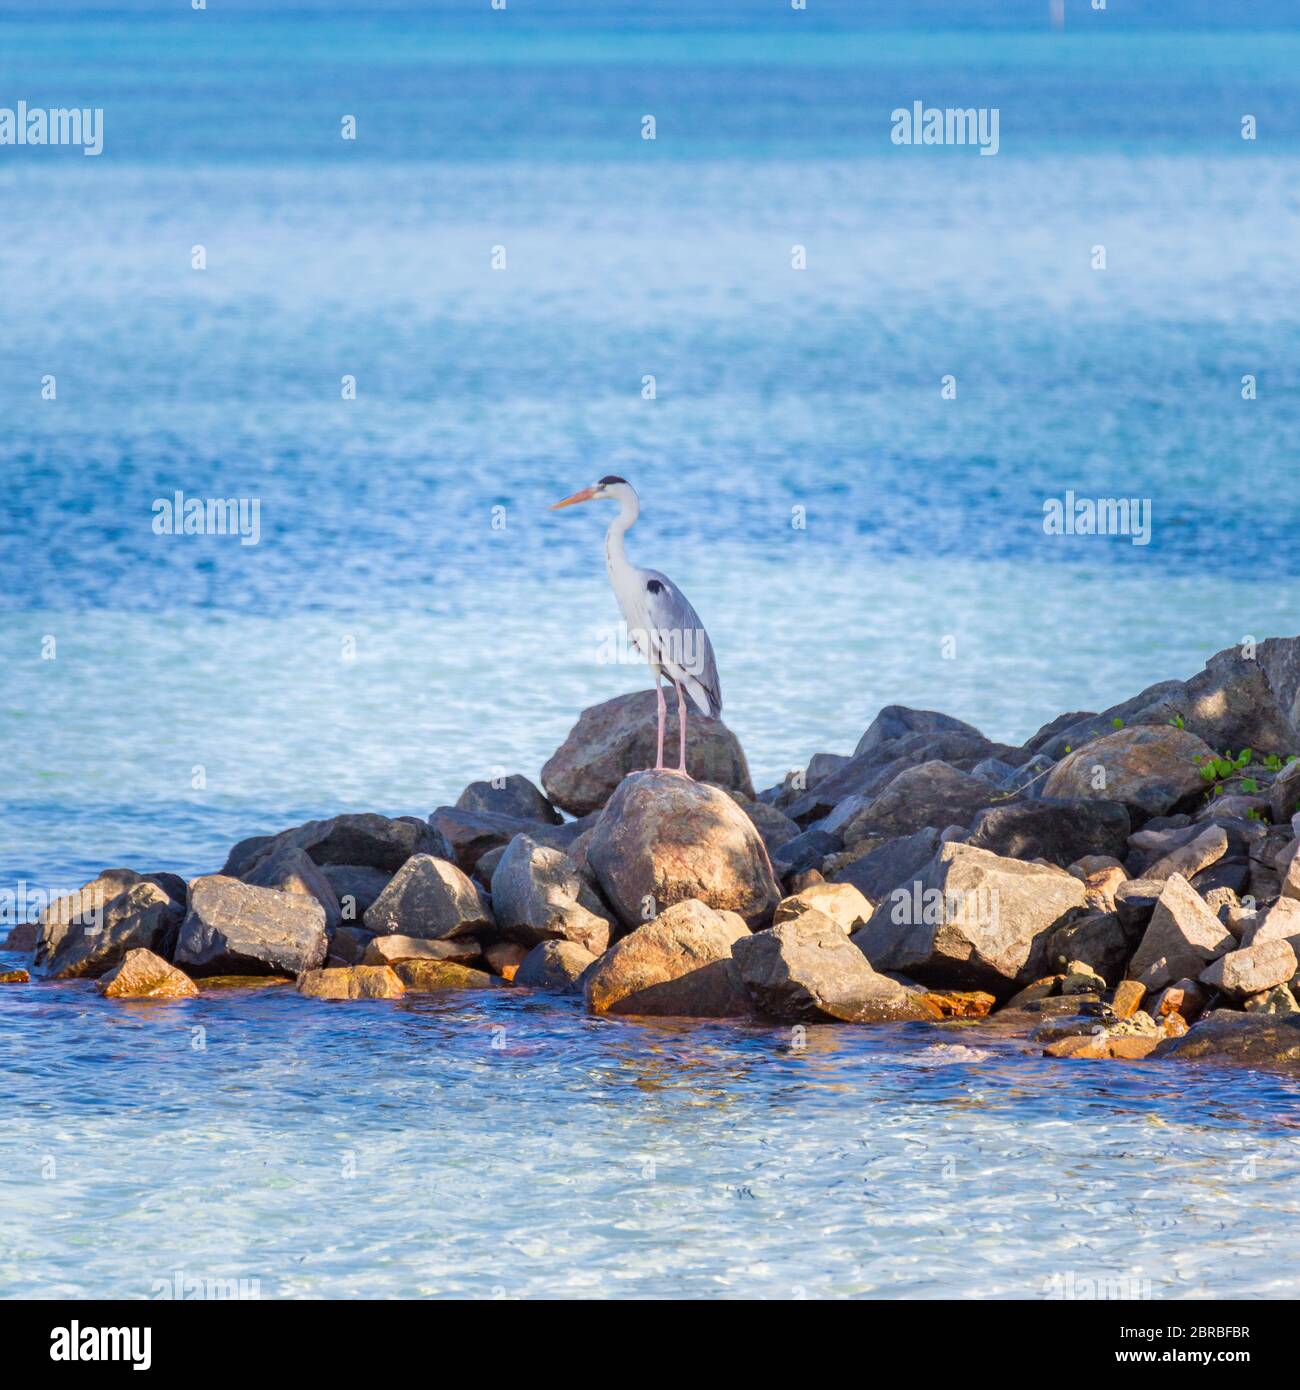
681 732
663 719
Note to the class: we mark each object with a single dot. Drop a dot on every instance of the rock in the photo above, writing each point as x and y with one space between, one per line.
806 970
806 851
1128 998
1278 1000
821 766
1230 1038
1198 853
994 770
356 886
1081 978
896 721
355 839
1232 704
1058 831
1237 807
348 944
1149 767
538 895
505 957
932 794
486 864
809 877
677 965
142 975
1226 873
22 937
774 828
1252 970
1101 877
1033 992
1132 1049
1182 938
433 976
390 950
515 796
219 982
1185 998
664 839
841 902
960 1003
142 916
352 982
1284 794
890 864
291 870
616 738
80 911
1096 940
1091 1046
1027 780
431 899
1135 901
472 835
1278 922
1059 728
234 928
972 920
555 965
1288 867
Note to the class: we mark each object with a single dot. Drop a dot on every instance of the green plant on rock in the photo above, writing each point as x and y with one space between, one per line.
1218 767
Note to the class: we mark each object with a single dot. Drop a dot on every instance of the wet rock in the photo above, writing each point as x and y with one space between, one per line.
931 794
1229 1038
434 976
890 864
1129 995
1182 938
960 1003
391 950
555 965
516 797
971 920
806 970
806 851
538 895
347 945
1252 970
1090 1046
1189 859
223 982
22 937
1058 831
351 982
664 839
356 886
79 912
1033 992
1148 767
234 928
429 898
616 738
1132 1049
374 841
505 957
14 977
141 916
142 975
291 870
841 902
677 965
896 721
1135 901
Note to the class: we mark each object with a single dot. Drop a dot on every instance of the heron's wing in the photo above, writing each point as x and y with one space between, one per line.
679 642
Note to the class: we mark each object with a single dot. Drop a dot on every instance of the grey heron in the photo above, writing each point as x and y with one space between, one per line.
663 626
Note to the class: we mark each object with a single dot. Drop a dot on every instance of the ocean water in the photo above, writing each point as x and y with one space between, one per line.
412 616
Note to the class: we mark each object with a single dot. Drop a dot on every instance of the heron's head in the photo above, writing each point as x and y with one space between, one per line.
614 488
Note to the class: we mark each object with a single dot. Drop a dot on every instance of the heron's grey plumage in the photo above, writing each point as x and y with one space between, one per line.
680 644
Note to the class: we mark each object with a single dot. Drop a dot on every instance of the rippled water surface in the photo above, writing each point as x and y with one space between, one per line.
412 617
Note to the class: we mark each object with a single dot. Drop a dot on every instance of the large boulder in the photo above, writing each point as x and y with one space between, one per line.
142 975
806 970
1149 767
932 793
613 739
897 721
1252 970
140 917
1181 939
539 895
663 839
1061 832
234 928
971 920
428 898
292 870
377 842
513 796
1284 794
76 911
355 886
879 870
472 835
555 965
1228 1038
679 965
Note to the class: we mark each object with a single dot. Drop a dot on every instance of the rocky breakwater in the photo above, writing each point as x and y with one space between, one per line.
1123 885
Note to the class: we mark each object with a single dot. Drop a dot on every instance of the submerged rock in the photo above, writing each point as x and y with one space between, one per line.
664 839
555 965
1229 1038
233 928
677 965
539 895
617 738
1149 766
806 969
352 982
428 898
142 975
433 976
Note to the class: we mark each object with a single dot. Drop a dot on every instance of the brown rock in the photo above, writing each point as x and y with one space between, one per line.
807 879
22 937
1091 1046
351 982
841 902
243 981
1128 998
1101 876
1229 1038
14 977
677 965
234 928
291 870
1189 859
431 976
1150 766
1186 998
142 975
505 957
960 1003
1183 937
141 916
1132 1049
348 944
539 895
1252 970
389 950
1039 989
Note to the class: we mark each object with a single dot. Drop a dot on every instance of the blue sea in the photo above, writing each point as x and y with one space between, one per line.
402 346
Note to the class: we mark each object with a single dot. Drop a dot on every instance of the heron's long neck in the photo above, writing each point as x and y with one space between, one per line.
616 561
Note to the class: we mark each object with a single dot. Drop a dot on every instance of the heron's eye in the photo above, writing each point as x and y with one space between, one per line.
654 586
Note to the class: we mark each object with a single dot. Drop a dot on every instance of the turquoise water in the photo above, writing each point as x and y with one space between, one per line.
389 640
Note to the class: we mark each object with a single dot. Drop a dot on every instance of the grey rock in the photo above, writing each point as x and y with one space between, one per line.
1284 794
555 965
1151 768
1097 941
896 721
292 870
516 797
1252 970
1058 831
931 794
895 861
428 898
1229 1038
378 842
1135 901
234 928
1182 938
806 851
471 834
141 917
356 886
538 895
1206 848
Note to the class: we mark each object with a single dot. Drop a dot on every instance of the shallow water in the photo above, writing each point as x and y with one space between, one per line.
384 643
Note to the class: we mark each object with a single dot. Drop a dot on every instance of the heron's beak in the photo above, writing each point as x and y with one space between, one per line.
585 495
